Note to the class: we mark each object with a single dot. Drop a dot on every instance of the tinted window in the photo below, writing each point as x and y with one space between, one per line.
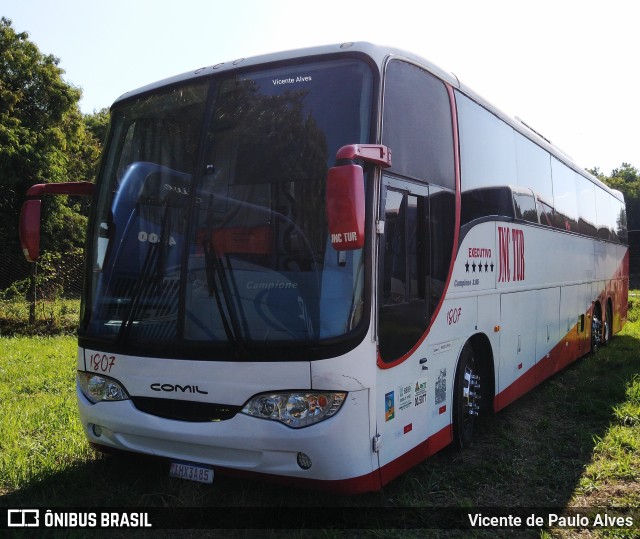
488 162
486 146
546 212
442 217
488 201
564 196
586 206
395 260
602 210
621 220
415 260
534 167
404 309
525 206
607 212
210 235
495 158
417 124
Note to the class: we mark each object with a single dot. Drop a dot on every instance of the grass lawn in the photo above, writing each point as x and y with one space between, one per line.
573 441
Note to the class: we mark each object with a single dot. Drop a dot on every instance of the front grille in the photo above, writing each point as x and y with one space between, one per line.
185 410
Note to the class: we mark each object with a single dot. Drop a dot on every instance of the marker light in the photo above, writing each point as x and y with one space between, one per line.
304 461
97 388
295 409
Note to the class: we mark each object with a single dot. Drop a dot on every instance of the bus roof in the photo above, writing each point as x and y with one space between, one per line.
379 54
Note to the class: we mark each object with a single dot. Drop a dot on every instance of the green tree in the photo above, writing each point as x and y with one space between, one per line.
625 179
97 124
43 138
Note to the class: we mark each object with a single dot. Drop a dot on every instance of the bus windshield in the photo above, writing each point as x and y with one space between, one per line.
211 224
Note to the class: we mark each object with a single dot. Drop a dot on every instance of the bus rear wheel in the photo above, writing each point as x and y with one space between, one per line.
466 397
597 328
608 321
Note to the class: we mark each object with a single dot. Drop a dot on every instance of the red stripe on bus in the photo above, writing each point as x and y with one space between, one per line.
415 456
574 344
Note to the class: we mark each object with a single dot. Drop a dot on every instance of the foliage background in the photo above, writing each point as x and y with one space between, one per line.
574 441
44 137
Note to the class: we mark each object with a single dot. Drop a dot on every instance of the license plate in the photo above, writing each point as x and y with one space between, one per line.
191 472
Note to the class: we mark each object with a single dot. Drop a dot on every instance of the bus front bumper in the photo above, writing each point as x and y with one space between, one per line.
336 451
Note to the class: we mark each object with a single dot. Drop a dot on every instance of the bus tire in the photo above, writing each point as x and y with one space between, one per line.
597 328
466 396
607 325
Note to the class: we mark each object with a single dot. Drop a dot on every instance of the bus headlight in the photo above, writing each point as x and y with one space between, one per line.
97 387
295 409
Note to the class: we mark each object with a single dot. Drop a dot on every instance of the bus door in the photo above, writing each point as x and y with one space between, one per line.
403 405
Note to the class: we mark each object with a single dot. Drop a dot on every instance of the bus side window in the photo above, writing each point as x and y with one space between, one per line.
486 202
565 196
394 281
441 225
417 125
525 207
405 265
546 213
405 277
420 211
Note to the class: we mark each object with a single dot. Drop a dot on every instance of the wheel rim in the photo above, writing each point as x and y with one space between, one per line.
467 401
470 393
607 326
597 330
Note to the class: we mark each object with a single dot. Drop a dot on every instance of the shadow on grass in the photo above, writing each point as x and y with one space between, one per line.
531 455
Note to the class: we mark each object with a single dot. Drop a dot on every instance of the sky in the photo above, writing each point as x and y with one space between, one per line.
567 68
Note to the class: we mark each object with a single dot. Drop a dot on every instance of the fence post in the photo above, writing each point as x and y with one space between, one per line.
33 272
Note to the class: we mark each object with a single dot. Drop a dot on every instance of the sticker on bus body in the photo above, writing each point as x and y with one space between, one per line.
191 472
389 406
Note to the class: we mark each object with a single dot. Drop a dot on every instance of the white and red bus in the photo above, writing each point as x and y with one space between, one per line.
322 265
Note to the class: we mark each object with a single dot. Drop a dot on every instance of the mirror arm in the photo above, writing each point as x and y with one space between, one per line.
377 154
64 188
29 224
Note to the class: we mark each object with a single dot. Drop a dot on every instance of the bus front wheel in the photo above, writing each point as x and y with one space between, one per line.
466 397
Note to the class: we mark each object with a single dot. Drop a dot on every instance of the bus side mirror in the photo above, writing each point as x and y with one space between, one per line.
345 207
345 193
29 229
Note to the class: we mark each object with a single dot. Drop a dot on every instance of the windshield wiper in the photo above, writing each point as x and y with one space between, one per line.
143 284
155 258
230 314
